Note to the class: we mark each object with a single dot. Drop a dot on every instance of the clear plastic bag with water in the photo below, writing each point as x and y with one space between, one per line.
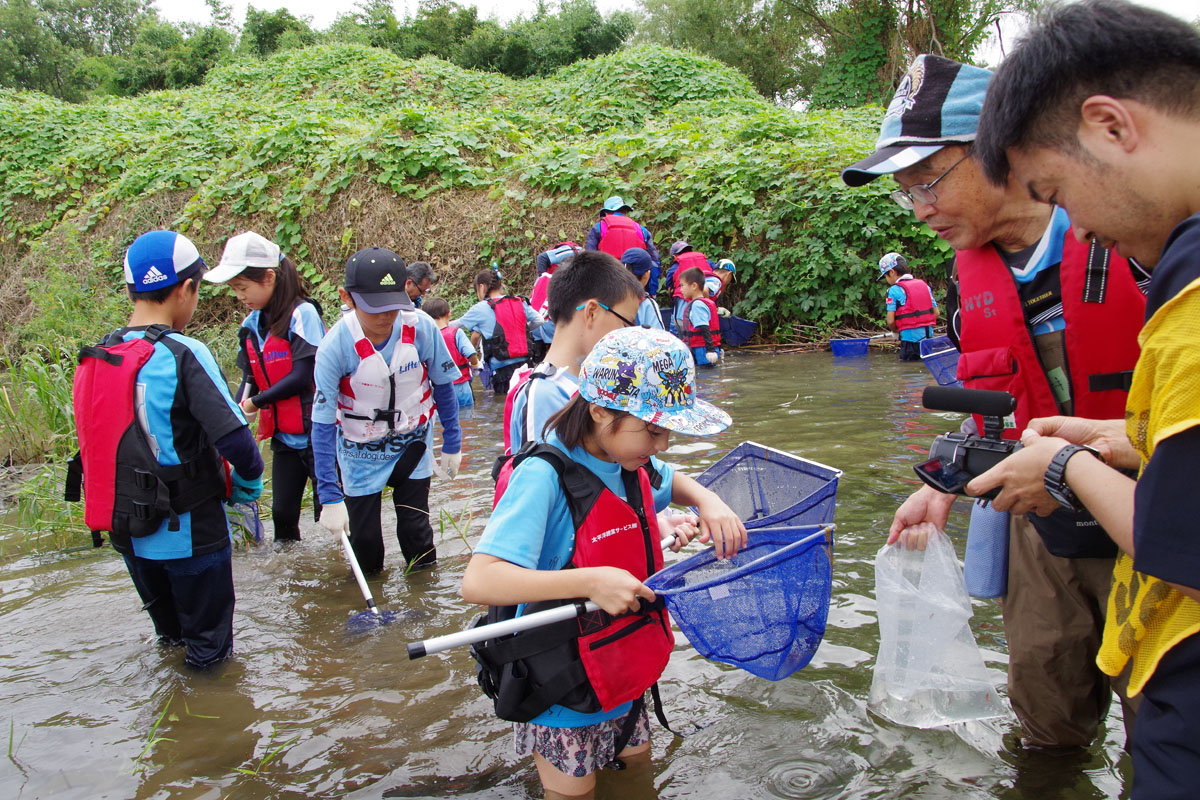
929 670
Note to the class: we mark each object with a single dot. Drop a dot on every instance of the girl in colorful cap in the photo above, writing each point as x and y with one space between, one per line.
578 521
277 352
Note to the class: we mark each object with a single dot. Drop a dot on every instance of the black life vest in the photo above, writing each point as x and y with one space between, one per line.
594 662
125 490
510 336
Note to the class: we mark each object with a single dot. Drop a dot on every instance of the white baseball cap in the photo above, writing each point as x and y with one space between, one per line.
244 250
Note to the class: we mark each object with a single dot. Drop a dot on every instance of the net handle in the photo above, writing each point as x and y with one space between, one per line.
745 569
525 622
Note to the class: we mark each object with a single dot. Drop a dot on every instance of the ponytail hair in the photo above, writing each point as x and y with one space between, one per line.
284 298
488 279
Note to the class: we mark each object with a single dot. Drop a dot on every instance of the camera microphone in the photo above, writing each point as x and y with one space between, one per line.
969 401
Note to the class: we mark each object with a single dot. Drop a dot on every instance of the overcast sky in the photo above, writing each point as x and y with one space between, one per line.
323 12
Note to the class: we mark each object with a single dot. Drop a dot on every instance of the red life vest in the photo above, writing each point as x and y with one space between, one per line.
539 298
693 337
450 335
1103 308
510 336
595 662
618 233
684 262
917 309
125 490
271 362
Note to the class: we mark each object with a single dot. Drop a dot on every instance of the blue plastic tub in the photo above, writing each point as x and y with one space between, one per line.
736 331
766 487
941 359
849 348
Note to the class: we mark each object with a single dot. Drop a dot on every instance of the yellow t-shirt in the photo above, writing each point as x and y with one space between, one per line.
1147 617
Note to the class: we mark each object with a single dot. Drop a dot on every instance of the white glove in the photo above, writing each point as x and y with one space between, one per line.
711 356
335 518
723 312
450 463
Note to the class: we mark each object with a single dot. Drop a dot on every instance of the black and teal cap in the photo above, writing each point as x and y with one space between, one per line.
375 279
938 103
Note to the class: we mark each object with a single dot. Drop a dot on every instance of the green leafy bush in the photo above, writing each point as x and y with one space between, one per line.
332 148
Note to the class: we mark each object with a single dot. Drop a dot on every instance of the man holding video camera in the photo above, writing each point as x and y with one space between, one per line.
1054 323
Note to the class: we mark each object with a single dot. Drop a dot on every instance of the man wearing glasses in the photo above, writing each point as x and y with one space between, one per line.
1052 321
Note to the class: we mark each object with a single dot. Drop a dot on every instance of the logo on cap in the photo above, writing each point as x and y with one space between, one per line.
387 280
906 94
153 276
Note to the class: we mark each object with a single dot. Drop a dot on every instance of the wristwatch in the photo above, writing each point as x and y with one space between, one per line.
1055 479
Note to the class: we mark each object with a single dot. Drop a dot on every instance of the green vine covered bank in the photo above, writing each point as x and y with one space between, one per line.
333 148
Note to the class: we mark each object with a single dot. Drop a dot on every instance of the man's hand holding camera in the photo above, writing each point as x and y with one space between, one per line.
1021 477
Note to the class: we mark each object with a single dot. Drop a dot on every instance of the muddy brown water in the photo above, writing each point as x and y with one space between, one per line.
93 708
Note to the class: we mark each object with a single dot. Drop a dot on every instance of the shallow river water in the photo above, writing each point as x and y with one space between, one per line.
95 709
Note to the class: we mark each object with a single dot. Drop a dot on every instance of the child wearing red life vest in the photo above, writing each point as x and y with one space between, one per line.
462 352
277 352
503 322
545 545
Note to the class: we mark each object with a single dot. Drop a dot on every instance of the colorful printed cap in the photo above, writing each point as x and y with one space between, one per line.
159 259
615 203
650 374
892 261
938 103
245 250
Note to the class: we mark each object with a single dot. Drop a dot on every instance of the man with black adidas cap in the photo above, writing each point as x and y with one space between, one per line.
1048 319
154 418
380 372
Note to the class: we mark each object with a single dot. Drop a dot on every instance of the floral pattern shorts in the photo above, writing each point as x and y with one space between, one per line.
578 751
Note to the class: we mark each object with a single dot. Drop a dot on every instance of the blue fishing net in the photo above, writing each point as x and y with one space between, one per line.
767 487
764 610
941 358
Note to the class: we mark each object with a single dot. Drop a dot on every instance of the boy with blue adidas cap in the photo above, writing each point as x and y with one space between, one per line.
1048 319
155 418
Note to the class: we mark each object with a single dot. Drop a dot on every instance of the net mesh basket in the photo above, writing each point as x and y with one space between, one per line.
941 359
764 610
766 487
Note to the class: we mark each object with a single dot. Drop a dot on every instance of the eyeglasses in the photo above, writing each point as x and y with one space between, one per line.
923 192
628 322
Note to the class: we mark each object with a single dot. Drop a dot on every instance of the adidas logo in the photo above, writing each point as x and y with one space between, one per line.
153 276
387 280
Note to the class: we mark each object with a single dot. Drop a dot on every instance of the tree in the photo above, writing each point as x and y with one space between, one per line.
264 31
31 56
828 52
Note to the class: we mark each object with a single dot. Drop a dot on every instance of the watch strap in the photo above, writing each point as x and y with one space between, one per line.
1055 478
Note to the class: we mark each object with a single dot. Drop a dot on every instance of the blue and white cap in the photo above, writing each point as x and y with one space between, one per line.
616 203
159 259
938 103
650 374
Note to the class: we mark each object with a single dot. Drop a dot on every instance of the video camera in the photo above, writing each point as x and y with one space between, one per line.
956 458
